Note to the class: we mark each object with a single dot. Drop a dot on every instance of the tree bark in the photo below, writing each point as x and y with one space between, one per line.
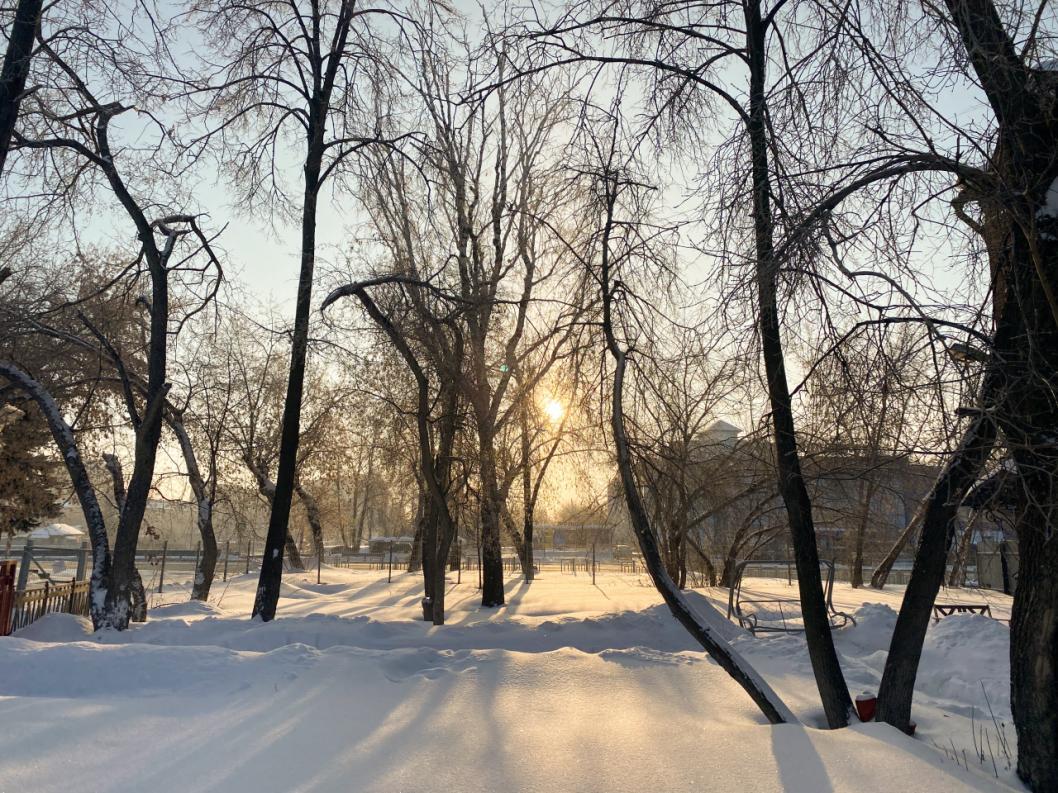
881 573
492 593
271 576
16 69
266 487
833 691
861 532
938 526
207 560
312 511
137 595
66 444
773 708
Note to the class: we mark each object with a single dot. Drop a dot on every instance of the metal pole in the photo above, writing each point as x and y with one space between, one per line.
319 563
226 544
390 579
249 550
161 575
593 563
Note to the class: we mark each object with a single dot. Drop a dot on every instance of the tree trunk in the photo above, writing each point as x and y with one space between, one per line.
881 572
833 691
861 531
365 501
938 526
137 595
729 660
962 553
16 68
271 577
525 555
1034 639
415 557
66 445
207 560
312 511
492 594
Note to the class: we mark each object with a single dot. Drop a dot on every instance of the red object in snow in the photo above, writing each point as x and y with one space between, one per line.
865 706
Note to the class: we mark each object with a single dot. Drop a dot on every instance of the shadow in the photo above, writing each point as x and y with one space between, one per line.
798 763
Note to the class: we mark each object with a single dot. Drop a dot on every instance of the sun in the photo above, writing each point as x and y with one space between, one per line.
555 410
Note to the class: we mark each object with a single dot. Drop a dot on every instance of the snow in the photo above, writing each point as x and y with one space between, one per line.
570 687
56 531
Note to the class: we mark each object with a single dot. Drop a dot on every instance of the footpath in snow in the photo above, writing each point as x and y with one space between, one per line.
570 687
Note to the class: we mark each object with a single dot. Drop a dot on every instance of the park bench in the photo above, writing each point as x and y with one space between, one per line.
754 612
947 609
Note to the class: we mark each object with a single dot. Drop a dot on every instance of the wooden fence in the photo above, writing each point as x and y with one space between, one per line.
30 605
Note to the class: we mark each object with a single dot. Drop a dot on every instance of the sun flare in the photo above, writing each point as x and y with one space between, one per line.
555 410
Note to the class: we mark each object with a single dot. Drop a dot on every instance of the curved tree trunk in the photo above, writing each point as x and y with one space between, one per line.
312 511
66 445
702 628
773 708
881 573
207 560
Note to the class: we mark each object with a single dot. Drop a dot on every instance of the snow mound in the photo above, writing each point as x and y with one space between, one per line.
289 590
871 633
191 608
57 628
966 661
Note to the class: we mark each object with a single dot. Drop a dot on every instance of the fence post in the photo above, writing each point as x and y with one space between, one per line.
249 551
7 597
23 566
593 564
82 561
161 575
69 603
226 544
389 580
319 564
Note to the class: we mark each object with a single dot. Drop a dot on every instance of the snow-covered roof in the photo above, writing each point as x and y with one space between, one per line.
54 531
721 427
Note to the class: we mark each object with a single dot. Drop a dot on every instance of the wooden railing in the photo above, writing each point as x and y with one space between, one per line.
30 605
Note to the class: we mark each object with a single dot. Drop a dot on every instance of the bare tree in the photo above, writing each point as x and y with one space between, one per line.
285 73
623 241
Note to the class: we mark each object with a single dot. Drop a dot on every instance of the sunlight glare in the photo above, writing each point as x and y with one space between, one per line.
555 410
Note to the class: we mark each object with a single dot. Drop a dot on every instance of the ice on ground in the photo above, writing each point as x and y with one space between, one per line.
570 687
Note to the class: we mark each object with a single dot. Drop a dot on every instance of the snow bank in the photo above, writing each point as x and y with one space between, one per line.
57 628
348 691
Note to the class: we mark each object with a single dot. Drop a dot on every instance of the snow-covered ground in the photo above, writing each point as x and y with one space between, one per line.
570 687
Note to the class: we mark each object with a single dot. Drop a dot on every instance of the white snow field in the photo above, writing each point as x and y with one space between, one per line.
570 687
